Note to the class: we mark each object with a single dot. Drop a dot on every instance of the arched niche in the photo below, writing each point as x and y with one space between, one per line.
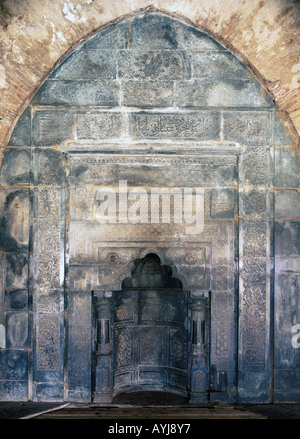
149 273
155 103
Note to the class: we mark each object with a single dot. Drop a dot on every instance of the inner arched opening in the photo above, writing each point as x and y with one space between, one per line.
149 273
150 336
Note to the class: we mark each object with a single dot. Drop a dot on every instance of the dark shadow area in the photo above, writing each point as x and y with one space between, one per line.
40 410
149 398
19 410
275 411
149 273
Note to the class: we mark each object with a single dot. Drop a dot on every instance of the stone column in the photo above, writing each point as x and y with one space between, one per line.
253 130
79 376
199 306
103 352
47 274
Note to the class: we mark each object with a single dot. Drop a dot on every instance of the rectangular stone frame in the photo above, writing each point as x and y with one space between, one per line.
51 256
224 360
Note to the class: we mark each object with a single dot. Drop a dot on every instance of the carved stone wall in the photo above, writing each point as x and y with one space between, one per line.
173 112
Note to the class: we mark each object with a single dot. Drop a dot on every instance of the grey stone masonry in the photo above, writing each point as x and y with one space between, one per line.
159 105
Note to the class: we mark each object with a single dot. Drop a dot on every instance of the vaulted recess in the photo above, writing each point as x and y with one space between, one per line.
149 246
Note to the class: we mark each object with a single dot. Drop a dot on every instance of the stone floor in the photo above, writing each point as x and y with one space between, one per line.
55 411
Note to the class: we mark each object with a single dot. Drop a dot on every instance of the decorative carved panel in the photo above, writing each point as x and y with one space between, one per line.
151 349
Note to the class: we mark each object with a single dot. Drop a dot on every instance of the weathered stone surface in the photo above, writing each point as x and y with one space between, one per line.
48 344
48 203
15 167
254 204
78 92
87 64
154 32
287 241
17 330
79 325
49 392
286 384
161 32
113 37
14 234
287 315
110 169
286 168
13 390
281 133
82 277
14 367
286 375
218 65
254 238
143 349
287 203
225 151
222 278
75 125
223 92
273 52
287 264
98 125
222 336
247 128
16 270
52 127
80 202
223 203
254 271
194 126
47 263
154 64
48 167
286 379
16 300
253 335
148 93
254 165
21 135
